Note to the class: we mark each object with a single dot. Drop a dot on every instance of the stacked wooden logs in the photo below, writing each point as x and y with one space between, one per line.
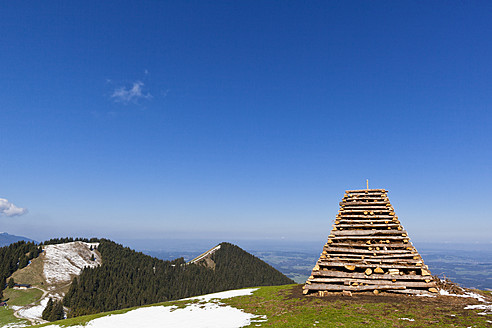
369 250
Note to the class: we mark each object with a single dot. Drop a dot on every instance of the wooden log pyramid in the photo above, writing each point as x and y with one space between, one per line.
368 250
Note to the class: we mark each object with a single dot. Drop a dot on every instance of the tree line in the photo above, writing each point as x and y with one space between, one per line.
65 240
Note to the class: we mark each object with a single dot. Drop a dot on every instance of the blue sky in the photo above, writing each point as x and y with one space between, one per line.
236 120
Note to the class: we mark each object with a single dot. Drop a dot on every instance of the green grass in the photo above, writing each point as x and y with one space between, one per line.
22 297
7 316
19 298
284 308
284 311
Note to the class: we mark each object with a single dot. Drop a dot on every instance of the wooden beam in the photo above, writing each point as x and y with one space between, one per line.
346 275
363 251
365 225
370 206
348 217
329 287
369 238
327 263
365 191
349 210
375 259
409 291
388 281
375 201
369 232
390 245
357 256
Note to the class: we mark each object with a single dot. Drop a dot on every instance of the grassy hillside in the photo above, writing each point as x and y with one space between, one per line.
285 306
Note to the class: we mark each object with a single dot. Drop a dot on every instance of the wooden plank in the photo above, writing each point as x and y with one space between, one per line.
368 238
320 286
366 206
409 291
387 281
376 259
364 245
380 202
364 195
365 225
327 263
368 232
388 209
368 198
363 251
359 191
349 217
378 208
329 273
372 256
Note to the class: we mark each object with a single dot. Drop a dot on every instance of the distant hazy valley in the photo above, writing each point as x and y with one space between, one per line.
471 269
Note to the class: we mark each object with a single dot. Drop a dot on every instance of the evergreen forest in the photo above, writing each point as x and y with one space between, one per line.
128 278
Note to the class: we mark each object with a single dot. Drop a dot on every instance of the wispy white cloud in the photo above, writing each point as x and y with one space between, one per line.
9 209
129 94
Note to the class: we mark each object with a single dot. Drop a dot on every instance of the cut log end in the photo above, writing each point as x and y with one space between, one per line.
378 270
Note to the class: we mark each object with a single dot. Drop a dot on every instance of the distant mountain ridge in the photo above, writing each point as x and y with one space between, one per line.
7 239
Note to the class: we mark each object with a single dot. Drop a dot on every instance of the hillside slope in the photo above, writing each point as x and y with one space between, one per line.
285 306
52 273
128 278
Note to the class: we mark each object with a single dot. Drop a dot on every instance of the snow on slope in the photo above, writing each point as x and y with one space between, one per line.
207 313
34 312
202 256
61 263
64 261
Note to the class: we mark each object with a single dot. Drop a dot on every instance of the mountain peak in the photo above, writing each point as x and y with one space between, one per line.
7 239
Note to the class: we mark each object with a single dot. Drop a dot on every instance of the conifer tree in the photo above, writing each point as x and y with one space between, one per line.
11 283
57 313
48 310
23 261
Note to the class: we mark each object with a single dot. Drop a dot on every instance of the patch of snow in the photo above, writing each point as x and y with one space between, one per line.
408 319
479 307
480 298
221 295
33 312
193 315
64 261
